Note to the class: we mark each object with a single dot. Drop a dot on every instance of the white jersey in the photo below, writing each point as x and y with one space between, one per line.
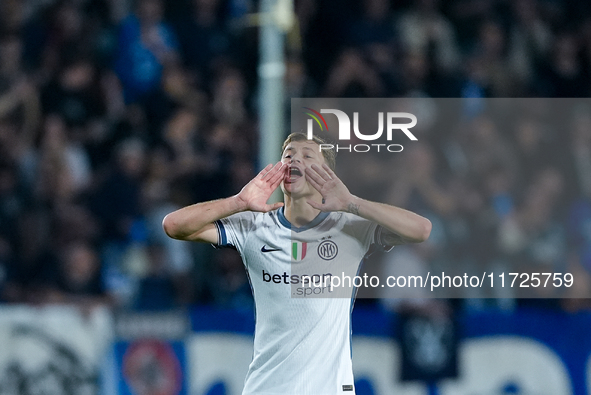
302 343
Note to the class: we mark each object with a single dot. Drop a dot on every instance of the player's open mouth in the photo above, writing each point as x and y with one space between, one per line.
293 173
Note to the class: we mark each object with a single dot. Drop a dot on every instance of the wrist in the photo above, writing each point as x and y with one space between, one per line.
238 203
353 205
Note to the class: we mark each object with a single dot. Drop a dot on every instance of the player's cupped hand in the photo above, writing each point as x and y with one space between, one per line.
335 195
255 194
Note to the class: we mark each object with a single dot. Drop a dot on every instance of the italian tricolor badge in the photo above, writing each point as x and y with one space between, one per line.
298 250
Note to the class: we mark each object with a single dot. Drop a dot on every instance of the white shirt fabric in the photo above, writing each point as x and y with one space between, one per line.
302 343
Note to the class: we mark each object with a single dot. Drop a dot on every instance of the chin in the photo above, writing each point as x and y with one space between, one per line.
297 190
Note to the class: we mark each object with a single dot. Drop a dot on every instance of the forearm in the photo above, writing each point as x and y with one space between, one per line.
411 227
188 222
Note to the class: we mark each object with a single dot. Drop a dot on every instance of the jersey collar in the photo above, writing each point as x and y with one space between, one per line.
319 218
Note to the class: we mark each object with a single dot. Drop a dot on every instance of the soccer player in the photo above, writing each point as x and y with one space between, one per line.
302 341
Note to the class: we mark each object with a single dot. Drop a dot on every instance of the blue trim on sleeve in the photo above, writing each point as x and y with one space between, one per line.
379 239
222 239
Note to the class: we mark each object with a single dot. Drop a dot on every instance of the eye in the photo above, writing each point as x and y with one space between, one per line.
308 156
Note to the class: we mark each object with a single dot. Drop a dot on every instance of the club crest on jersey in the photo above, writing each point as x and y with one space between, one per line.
327 250
298 250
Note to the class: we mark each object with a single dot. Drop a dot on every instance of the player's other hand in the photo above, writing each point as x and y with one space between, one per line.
335 195
255 194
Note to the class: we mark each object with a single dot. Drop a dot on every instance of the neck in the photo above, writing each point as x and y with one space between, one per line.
298 212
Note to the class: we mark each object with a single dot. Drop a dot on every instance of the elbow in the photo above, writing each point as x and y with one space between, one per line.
170 227
426 227
421 231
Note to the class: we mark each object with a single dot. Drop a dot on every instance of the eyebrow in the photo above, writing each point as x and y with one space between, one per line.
303 148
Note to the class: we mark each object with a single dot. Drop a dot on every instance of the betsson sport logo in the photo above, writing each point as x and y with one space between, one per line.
345 130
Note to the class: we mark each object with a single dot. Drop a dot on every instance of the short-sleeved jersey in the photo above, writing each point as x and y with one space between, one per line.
302 341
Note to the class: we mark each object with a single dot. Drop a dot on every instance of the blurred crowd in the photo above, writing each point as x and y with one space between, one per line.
114 113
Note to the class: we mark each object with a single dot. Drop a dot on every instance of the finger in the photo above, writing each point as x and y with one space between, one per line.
314 204
312 174
273 170
276 183
265 170
315 185
279 175
330 172
275 206
322 172
315 180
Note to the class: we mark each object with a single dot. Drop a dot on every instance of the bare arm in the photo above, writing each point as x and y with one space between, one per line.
406 226
196 222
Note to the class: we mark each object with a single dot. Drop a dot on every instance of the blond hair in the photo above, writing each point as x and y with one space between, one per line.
330 155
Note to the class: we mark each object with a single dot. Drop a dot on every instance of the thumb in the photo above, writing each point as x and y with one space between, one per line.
274 206
314 204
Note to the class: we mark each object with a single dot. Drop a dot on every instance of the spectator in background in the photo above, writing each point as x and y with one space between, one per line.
484 146
424 29
74 95
373 35
415 74
11 205
11 150
529 40
374 27
297 81
12 15
117 204
66 37
228 286
467 16
533 238
178 90
146 45
353 76
192 161
78 277
171 261
11 200
230 97
117 199
181 89
19 97
11 68
156 289
61 167
29 277
488 70
130 123
492 48
418 183
563 75
586 42
204 39
577 154
534 144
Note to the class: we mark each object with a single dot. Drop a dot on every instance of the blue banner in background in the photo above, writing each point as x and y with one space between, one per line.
524 351
568 335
